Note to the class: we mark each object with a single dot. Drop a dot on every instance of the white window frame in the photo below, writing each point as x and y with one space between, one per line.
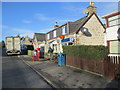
54 33
63 30
48 36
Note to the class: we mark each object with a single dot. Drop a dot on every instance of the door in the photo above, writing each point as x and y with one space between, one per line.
16 43
9 43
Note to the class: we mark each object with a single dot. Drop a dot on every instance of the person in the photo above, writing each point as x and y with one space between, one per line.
50 51
34 55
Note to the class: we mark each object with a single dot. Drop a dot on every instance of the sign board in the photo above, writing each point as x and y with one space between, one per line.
68 40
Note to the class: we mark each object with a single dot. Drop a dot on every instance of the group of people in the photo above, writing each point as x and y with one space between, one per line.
36 54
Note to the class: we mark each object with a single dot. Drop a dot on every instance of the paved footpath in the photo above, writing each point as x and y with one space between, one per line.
67 77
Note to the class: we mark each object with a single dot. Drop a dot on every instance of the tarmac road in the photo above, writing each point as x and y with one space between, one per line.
16 74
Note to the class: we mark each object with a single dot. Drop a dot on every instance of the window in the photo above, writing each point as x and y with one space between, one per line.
64 30
115 20
55 47
70 43
48 36
54 33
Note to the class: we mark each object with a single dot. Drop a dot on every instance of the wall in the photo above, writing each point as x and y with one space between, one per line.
111 33
35 43
97 31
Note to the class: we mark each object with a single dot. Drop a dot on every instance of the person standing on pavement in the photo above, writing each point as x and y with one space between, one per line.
34 55
50 51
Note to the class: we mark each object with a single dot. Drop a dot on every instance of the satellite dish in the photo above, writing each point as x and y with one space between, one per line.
118 33
86 32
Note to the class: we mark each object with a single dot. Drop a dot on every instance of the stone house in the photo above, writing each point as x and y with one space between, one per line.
113 32
26 41
88 30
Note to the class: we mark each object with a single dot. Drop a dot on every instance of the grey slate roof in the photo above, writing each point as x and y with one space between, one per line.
73 26
40 36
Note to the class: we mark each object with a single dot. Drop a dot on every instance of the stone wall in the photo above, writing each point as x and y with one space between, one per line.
97 31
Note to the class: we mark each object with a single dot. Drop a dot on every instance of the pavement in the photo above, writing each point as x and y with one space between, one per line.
68 77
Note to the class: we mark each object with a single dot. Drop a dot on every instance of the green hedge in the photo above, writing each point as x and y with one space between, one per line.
89 52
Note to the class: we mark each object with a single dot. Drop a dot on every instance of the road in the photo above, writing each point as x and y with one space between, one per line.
16 74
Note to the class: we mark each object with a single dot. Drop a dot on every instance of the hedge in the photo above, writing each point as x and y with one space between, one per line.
88 52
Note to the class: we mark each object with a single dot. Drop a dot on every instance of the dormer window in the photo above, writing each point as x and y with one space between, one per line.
118 33
48 36
64 30
115 20
54 33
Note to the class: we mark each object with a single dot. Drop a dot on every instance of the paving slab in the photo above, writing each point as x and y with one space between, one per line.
67 77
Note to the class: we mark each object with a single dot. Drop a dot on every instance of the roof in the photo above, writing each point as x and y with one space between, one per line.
72 28
56 28
40 36
111 14
85 21
26 41
74 25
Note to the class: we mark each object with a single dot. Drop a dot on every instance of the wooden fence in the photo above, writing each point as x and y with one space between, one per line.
111 66
108 67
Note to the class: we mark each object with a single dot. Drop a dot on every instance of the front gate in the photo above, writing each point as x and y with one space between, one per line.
112 66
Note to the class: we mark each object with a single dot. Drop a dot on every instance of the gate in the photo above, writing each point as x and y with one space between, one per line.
112 66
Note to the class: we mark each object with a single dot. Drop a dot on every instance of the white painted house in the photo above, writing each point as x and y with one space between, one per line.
113 32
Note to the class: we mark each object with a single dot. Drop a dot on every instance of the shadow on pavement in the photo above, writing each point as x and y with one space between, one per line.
5 54
115 83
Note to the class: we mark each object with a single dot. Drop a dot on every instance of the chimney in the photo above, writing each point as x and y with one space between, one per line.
90 9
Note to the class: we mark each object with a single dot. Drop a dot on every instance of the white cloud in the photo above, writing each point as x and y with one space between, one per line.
65 20
23 32
106 7
26 21
45 30
13 31
3 26
72 8
62 21
42 17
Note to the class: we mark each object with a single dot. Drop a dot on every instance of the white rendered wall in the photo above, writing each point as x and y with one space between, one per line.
111 33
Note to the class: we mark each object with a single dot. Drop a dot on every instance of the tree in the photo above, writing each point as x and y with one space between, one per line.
3 44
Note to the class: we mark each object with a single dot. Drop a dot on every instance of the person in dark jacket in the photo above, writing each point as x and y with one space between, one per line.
50 51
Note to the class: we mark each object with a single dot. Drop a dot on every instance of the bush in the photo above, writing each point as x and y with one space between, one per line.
88 52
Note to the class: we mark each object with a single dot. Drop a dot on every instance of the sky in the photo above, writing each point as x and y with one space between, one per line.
26 18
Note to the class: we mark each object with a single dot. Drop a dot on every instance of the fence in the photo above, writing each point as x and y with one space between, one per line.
112 66
108 67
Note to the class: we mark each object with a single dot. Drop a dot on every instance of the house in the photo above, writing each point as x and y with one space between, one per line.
26 41
26 44
113 32
38 40
88 30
